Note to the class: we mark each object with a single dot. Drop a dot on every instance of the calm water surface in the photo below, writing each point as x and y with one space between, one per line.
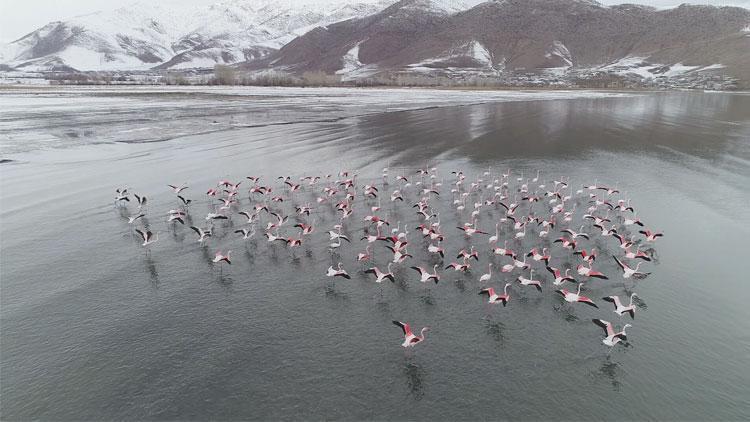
94 329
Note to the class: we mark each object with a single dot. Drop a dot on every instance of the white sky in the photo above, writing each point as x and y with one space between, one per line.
19 17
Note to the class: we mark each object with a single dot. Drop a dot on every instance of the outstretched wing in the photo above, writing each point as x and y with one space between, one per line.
404 327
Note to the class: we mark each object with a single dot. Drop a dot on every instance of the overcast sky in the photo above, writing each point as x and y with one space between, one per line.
19 17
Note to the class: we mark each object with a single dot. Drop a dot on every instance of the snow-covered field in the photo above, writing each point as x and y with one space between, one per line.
60 117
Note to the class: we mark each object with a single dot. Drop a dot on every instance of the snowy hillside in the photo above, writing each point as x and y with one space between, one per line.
144 36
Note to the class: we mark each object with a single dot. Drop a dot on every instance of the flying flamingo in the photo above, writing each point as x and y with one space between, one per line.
612 337
220 257
620 308
589 272
436 249
628 272
366 255
148 237
411 340
380 276
571 297
178 189
425 276
494 297
650 236
339 272
530 281
202 234
559 278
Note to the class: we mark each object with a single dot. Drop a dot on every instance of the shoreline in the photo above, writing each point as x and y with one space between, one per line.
177 88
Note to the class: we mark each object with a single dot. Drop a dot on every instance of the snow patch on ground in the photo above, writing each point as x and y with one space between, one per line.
559 50
641 67
678 69
350 60
480 53
711 67
473 49
353 68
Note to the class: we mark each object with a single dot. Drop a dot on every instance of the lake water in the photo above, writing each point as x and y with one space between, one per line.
94 329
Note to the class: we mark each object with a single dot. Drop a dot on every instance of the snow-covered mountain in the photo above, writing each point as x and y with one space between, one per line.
358 39
143 36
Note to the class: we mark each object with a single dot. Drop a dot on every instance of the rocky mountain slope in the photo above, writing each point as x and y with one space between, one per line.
548 36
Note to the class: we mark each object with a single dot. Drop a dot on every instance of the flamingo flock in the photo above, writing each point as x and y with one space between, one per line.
537 230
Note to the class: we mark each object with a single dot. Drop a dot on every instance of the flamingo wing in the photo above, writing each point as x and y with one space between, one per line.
608 330
404 327
623 266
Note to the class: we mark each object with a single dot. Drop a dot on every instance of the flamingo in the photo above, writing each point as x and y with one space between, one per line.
436 249
521 264
306 229
536 256
638 254
399 256
504 250
571 297
132 219
185 202
274 237
178 217
202 234
486 277
589 272
380 276
459 267
148 237
566 243
178 189
631 221
620 308
612 337
140 200
651 236
628 272
606 232
530 281
338 272
559 278
470 231
426 276
468 255
494 297
246 233
366 255
587 257
411 340
493 239
575 234
220 257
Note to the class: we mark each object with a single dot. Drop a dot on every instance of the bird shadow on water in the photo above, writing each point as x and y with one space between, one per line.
567 312
426 298
495 329
152 272
460 284
414 376
225 280
332 293
610 371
